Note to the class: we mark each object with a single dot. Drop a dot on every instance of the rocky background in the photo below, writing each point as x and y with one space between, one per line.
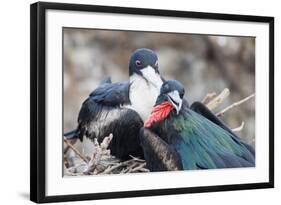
203 63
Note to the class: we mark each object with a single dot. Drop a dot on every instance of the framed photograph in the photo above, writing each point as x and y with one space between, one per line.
129 102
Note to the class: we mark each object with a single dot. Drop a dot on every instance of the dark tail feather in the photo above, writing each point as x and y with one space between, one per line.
71 134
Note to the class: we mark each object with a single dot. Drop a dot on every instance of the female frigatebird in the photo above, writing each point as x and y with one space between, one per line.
176 137
120 108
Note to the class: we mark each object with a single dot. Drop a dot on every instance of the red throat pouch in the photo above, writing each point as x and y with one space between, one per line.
158 113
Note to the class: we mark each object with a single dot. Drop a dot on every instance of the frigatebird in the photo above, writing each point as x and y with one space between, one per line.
175 137
120 108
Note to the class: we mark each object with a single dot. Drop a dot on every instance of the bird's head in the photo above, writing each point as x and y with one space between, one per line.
172 92
144 63
170 98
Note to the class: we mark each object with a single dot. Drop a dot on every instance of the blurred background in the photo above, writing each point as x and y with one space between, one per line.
203 63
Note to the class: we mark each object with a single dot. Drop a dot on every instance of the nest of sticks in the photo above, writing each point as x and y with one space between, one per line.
102 162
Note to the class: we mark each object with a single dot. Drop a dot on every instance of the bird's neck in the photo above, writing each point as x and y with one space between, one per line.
159 113
143 94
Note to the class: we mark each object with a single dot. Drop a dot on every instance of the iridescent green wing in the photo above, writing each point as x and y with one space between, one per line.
204 145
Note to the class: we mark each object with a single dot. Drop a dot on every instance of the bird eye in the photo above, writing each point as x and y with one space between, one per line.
138 63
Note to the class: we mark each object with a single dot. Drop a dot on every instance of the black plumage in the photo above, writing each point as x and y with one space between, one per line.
115 108
102 113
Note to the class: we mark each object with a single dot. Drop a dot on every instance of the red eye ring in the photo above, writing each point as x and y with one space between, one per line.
138 63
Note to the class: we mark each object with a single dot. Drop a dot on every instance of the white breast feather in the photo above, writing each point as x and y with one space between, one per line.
143 94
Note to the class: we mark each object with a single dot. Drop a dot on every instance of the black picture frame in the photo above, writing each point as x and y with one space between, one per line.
38 100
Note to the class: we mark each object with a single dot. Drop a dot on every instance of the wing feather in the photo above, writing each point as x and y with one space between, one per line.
207 113
203 143
102 113
158 154
112 94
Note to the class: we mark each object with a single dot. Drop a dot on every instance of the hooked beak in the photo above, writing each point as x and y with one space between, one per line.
175 100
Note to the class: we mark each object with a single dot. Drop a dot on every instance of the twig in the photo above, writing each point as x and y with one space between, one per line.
106 141
99 151
144 170
110 169
127 170
74 149
208 97
137 159
235 105
218 100
237 129
137 168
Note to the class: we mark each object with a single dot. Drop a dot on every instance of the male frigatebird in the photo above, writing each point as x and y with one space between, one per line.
176 137
120 108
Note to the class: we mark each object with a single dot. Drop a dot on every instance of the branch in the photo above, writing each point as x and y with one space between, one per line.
208 97
110 169
130 166
234 105
99 151
137 159
74 149
217 100
237 129
138 168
